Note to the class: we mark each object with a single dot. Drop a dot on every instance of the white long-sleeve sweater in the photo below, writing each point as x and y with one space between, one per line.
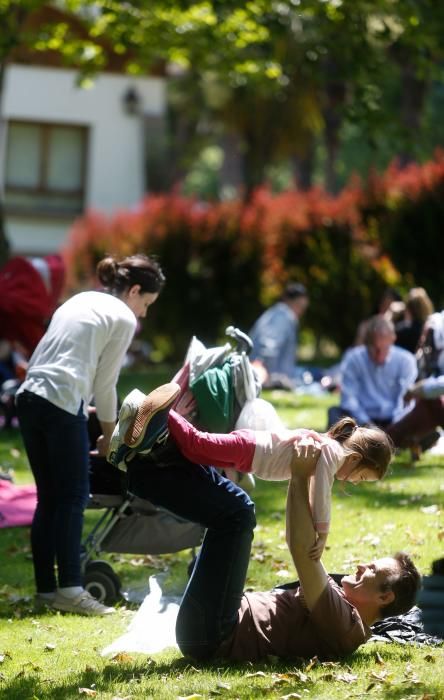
81 354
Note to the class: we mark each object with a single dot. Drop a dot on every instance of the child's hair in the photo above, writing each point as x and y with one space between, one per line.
373 445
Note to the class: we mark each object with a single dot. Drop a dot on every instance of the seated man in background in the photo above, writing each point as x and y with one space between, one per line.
275 336
375 378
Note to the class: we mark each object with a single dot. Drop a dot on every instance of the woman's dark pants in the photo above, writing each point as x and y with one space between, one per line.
57 446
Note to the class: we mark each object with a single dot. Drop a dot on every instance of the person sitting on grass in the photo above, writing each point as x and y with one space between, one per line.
347 451
216 618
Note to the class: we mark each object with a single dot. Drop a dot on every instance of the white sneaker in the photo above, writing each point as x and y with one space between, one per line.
82 604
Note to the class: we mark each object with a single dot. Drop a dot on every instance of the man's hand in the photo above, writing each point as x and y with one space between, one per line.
308 446
315 552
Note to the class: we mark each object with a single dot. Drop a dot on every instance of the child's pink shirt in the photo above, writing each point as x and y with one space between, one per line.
272 459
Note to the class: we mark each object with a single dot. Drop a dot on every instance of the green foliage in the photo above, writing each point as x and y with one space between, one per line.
405 211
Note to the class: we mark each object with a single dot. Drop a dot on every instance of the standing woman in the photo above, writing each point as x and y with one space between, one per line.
79 357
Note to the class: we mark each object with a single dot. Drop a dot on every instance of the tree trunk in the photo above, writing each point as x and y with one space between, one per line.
414 91
303 167
231 170
334 98
4 243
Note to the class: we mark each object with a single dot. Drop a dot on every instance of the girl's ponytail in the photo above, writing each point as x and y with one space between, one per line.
343 429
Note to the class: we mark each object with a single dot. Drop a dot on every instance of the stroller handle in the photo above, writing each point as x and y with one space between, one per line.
243 341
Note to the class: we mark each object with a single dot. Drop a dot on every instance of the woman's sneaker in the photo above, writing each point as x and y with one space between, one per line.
150 424
42 601
82 604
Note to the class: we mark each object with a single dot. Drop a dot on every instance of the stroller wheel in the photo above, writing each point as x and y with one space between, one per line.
191 565
102 582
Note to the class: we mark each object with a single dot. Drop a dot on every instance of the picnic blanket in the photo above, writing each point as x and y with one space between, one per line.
17 504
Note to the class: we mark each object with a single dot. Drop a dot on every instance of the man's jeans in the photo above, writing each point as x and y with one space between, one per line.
210 604
57 446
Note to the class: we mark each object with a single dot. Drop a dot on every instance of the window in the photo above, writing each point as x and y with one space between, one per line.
45 168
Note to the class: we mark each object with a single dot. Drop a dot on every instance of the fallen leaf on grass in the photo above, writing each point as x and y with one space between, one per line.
372 540
343 677
311 664
87 691
279 680
379 660
380 676
283 573
414 537
122 658
346 677
261 674
300 675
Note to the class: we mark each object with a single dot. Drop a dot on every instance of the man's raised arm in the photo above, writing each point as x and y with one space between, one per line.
301 536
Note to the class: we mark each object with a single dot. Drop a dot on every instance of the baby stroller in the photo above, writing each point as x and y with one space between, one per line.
216 383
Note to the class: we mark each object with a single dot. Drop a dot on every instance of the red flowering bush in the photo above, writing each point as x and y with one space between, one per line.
226 261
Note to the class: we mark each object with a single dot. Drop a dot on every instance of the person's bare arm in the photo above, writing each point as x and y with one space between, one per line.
103 440
301 537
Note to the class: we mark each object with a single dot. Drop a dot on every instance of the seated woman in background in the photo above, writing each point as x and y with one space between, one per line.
418 307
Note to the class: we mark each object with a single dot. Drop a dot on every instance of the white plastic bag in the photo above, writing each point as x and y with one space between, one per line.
258 414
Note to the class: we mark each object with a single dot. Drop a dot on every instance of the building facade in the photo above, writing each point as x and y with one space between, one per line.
67 149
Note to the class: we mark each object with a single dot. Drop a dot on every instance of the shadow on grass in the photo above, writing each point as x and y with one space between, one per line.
146 675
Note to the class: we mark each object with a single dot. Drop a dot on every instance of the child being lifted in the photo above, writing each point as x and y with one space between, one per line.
347 451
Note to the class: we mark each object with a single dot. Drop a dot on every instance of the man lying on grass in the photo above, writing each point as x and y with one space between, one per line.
216 618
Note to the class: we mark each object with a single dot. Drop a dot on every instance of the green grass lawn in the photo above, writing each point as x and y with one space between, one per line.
50 655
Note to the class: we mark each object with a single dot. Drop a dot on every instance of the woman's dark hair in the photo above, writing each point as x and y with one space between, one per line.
117 276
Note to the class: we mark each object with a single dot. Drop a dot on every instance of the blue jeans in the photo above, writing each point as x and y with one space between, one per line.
209 608
57 446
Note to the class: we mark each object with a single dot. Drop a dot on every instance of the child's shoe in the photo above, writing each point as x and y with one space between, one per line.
150 423
118 451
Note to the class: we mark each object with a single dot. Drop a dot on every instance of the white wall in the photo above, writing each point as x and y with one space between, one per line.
115 167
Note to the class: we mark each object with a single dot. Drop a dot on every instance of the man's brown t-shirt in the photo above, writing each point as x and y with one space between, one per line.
279 623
